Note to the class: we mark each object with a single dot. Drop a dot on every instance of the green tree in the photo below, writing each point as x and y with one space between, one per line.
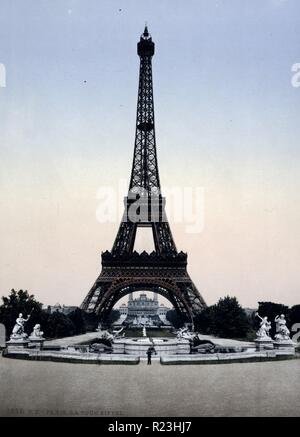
78 318
91 320
20 302
113 316
58 325
204 321
176 319
224 319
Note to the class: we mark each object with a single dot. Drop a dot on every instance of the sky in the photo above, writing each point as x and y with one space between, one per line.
227 121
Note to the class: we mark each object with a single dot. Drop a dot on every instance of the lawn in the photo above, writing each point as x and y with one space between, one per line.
138 332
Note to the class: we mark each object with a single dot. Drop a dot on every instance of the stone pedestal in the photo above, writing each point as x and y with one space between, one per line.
17 344
284 345
36 342
265 343
118 347
139 346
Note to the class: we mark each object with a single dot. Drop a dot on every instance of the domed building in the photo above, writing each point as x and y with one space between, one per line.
143 310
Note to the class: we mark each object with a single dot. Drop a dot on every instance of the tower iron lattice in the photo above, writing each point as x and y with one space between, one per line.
163 271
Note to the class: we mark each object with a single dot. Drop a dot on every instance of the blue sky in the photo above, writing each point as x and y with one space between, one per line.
227 119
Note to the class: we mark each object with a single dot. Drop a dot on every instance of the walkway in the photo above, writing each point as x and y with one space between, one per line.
249 389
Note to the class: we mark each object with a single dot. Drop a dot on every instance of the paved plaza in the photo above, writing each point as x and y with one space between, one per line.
248 389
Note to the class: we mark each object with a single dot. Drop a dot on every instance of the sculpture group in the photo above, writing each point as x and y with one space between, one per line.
281 341
282 338
19 338
282 331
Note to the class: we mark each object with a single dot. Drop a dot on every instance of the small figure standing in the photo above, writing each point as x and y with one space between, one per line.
149 354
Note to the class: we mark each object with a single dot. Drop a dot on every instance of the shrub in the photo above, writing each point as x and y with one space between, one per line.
224 319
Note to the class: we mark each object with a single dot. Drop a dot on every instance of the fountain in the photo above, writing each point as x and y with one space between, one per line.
187 347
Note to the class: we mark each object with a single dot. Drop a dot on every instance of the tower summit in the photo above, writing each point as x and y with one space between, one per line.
144 169
145 47
164 271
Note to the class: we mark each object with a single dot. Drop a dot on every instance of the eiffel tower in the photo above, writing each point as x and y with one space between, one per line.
164 271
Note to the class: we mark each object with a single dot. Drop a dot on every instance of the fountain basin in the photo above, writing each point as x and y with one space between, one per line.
140 346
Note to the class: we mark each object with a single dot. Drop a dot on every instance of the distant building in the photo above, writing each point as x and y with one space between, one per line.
123 309
143 308
64 309
143 305
162 310
250 311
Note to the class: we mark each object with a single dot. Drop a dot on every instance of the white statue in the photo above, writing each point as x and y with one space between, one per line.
264 328
37 333
282 331
185 333
144 331
116 333
18 329
106 335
